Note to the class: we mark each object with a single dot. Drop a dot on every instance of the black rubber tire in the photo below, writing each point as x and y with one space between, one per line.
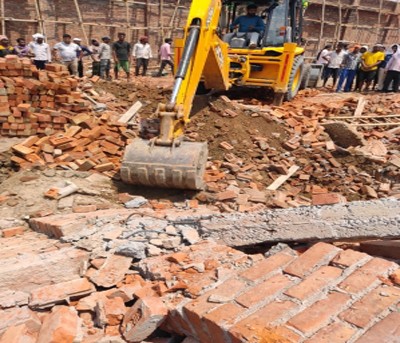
306 76
297 64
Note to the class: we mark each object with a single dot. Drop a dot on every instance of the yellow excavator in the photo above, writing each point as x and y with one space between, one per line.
214 55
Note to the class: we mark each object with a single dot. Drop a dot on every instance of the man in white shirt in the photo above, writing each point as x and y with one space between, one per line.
68 53
41 51
335 59
142 54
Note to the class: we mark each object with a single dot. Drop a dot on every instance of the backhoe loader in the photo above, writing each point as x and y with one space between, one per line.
211 55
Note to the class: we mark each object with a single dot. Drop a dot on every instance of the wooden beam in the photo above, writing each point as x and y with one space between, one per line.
40 17
321 32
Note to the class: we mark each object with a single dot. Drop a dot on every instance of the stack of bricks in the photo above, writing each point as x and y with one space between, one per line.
61 128
31 101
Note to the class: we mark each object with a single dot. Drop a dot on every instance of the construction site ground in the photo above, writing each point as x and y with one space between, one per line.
86 258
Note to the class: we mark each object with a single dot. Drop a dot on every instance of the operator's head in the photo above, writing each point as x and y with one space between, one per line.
252 10
395 47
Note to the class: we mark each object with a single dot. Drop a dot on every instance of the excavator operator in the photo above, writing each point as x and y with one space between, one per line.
251 24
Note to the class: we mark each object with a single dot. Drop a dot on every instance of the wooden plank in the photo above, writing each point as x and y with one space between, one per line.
129 115
360 107
367 117
283 178
376 124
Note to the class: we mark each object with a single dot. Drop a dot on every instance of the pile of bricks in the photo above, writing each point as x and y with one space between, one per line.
30 100
62 131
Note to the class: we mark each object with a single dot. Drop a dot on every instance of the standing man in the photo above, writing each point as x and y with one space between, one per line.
94 48
105 58
349 71
166 56
5 47
393 71
121 54
141 54
22 49
335 59
369 66
83 53
68 53
40 51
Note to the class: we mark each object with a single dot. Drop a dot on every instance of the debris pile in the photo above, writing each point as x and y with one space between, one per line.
301 153
205 292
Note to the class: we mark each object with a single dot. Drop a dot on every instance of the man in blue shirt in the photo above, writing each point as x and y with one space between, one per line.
251 23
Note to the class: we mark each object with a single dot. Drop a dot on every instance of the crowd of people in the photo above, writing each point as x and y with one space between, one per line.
71 53
357 68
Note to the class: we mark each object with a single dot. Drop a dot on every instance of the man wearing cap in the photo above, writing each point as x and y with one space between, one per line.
250 23
141 54
68 53
369 66
121 53
5 47
40 51
349 69
105 57
80 55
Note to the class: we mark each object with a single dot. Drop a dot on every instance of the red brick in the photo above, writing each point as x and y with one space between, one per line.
334 333
264 291
229 289
319 314
227 195
265 267
366 276
219 320
13 231
62 325
387 330
317 255
395 277
328 199
265 317
389 249
194 311
84 208
349 257
315 283
371 305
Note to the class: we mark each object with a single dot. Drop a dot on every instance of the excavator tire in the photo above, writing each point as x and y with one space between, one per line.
295 78
306 76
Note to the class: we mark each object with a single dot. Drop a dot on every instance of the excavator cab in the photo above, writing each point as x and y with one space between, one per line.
205 54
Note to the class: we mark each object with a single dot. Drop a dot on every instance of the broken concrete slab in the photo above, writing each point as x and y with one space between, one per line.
48 296
143 318
355 220
47 268
112 271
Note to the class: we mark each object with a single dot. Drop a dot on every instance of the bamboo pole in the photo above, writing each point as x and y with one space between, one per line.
40 17
321 32
128 22
3 14
78 11
171 22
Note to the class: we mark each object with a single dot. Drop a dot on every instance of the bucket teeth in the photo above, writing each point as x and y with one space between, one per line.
179 167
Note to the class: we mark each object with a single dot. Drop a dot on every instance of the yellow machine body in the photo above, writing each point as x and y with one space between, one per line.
201 55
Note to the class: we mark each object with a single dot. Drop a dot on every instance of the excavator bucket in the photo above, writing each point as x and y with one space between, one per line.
165 166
